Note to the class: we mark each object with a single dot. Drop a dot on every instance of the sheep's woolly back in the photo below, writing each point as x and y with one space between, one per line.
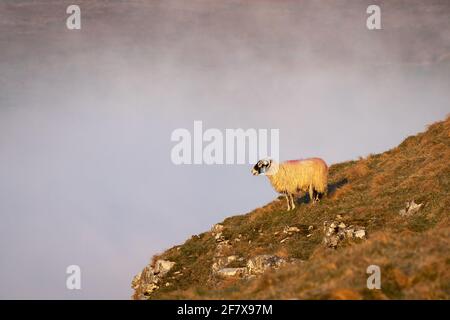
297 175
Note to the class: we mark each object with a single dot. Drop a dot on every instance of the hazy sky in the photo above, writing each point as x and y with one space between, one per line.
86 117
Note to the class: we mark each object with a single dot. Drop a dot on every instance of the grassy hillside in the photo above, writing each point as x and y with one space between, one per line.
412 251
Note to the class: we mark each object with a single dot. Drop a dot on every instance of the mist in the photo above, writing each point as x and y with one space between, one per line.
86 117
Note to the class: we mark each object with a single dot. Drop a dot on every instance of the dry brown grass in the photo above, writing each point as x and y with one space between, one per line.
359 170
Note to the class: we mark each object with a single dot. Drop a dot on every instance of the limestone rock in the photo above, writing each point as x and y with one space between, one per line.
146 282
336 231
163 266
260 264
360 234
410 208
231 272
253 267
290 230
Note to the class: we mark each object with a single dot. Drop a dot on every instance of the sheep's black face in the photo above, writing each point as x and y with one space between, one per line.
261 167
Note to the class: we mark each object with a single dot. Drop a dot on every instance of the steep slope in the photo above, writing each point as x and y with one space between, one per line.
410 247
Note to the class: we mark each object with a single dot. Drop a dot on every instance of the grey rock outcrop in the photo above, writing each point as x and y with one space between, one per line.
149 279
253 267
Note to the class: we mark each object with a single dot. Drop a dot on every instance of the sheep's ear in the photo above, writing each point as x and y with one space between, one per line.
273 167
267 163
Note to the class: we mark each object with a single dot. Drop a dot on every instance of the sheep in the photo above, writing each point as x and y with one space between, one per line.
293 176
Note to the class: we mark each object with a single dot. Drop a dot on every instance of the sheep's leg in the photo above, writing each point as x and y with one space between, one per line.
287 200
315 195
318 194
311 194
292 201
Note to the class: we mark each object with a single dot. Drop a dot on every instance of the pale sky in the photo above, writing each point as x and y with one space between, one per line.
86 118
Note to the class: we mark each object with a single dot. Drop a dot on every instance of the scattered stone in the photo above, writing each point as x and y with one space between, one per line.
290 230
308 235
259 264
360 234
411 208
350 232
254 266
231 272
337 231
310 228
284 240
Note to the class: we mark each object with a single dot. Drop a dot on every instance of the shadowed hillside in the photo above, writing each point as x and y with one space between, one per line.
322 251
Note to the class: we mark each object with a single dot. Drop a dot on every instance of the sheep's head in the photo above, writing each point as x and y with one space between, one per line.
262 167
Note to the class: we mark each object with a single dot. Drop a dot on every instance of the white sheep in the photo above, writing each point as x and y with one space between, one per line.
292 176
